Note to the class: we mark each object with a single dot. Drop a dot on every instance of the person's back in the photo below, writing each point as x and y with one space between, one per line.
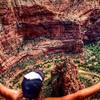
31 85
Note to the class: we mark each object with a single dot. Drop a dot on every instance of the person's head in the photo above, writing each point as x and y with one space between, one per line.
31 84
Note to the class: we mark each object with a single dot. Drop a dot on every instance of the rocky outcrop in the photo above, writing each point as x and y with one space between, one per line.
65 79
92 26
21 56
33 14
38 21
9 39
53 5
9 42
7 16
65 32
44 48
53 29
34 20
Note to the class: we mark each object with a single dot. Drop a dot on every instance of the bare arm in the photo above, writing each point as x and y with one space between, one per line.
87 92
9 94
80 95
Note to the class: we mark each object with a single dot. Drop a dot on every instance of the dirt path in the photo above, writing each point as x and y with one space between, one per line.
89 73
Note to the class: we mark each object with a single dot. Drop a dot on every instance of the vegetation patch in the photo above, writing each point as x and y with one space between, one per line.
92 58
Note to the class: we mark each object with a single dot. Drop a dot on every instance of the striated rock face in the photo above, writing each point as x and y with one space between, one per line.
92 26
33 14
38 21
53 29
32 20
59 30
9 39
9 42
54 5
7 17
65 79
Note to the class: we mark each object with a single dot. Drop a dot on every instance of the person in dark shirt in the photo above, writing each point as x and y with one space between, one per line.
31 88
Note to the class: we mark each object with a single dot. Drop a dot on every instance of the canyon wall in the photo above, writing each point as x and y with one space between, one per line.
44 23
92 26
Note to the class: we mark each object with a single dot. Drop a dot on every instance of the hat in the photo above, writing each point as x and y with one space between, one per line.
31 85
33 75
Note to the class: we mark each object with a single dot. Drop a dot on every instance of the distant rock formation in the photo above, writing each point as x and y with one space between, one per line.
65 79
37 20
32 20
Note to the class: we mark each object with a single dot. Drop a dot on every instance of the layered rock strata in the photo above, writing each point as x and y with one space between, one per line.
31 21
7 16
38 21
